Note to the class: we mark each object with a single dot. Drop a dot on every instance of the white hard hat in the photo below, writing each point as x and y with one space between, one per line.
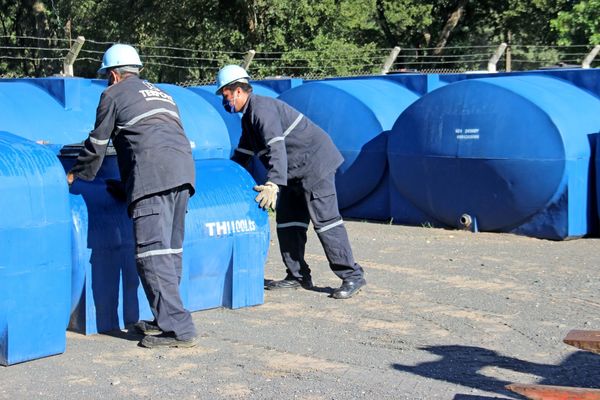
120 55
230 74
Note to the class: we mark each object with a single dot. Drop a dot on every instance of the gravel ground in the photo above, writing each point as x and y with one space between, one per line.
445 314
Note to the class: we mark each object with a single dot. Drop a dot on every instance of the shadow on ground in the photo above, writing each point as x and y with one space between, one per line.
462 365
328 289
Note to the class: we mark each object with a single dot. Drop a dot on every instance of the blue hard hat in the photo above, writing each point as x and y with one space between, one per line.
230 74
120 55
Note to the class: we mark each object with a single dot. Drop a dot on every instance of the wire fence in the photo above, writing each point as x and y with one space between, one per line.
26 56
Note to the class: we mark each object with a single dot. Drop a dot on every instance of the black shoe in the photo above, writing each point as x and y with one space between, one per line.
349 288
290 283
167 340
147 327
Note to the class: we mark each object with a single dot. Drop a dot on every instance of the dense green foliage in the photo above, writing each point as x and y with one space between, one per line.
581 25
183 40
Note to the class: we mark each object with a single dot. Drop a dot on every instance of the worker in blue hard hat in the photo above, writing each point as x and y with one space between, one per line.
301 161
158 176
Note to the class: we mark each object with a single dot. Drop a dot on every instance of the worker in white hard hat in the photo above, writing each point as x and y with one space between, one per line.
301 161
158 176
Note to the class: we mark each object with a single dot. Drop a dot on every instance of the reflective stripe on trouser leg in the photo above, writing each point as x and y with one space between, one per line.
292 223
153 221
323 209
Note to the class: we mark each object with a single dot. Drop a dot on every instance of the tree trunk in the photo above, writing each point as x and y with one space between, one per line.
383 22
252 22
451 23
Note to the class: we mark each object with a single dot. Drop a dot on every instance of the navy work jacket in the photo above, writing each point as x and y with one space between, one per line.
153 152
289 144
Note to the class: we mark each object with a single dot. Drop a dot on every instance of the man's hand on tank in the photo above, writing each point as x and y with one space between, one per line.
70 178
267 195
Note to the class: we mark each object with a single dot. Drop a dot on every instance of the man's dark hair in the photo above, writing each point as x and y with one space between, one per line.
246 87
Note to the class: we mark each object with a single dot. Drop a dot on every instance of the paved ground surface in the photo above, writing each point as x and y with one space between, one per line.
446 314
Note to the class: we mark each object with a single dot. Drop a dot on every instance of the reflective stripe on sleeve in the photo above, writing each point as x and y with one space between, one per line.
275 139
287 131
244 151
98 141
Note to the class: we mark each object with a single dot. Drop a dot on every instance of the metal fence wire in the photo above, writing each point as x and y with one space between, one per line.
26 56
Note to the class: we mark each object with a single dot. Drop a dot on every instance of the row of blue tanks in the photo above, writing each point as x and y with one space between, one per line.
499 152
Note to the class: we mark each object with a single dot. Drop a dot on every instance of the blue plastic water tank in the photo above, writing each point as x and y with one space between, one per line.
356 113
227 238
202 122
53 110
35 263
511 153
587 79
62 111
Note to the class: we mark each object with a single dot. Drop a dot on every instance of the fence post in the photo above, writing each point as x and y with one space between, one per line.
72 56
248 59
389 61
494 59
587 61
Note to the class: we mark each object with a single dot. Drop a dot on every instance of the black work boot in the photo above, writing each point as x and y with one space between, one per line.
147 327
167 340
290 282
349 288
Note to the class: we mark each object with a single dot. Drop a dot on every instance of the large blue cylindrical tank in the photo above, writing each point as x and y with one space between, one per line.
511 154
356 113
62 111
227 238
202 122
35 263
225 247
105 286
53 110
584 78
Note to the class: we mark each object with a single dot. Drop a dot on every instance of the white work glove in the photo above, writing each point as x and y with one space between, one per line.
267 195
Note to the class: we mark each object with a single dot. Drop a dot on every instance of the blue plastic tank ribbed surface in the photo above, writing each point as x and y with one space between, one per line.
227 238
356 113
511 152
35 257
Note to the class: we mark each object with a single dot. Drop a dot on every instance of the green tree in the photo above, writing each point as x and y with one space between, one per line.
579 26
190 39
27 18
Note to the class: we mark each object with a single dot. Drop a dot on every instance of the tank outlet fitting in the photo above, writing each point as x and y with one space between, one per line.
467 222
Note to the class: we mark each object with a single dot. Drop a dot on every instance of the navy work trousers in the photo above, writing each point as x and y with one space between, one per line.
295 208
158 224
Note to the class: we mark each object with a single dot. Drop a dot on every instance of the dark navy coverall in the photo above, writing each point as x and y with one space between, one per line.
301 159
157 168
